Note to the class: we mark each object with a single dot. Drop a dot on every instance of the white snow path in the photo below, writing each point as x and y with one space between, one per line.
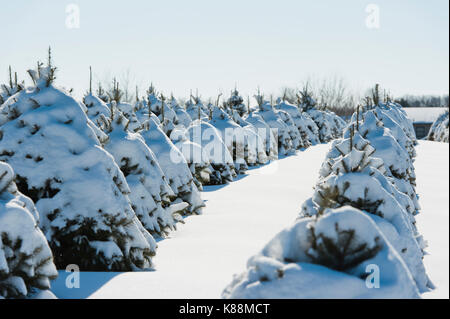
432 174
200 258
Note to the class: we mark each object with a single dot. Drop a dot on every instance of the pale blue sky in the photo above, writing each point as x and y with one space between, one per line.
210 45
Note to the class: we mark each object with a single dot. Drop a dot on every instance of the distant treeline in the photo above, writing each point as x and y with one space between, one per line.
423 101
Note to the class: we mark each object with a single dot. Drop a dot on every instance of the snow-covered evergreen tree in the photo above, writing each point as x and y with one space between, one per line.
267 135
183 117
306 126
234 137
158 105
325 257
26 261
255 148
397 160
397 129
150 192
297 138
95 107
439 129
195 156
216 152
173 164
329 125
11 88
236 103
356 178
77 187
196 109
280 129
127 110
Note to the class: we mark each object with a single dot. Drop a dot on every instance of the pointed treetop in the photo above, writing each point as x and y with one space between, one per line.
90 80
49 56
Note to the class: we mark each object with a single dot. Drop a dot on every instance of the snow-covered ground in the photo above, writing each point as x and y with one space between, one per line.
433 187
200 258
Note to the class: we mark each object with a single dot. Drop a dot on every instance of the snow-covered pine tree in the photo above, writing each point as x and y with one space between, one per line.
257 150
296 137
277 125
216 152
152 102
267 135
398 114
325 257
234 137
329 124
11 88
77 187
157 104
439 130
195 156
183 117
396 158
128 110
101 93
26 261
174 166
236 103
356 178
95 107
306 126
196 109
398 130
306 100
150 192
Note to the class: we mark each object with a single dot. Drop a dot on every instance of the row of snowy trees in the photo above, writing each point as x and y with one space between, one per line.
356 237
95 182
439 130
102 191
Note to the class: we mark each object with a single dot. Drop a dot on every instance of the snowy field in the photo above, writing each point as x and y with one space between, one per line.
199 259
433 187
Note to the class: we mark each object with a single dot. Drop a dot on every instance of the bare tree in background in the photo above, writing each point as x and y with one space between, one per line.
333 92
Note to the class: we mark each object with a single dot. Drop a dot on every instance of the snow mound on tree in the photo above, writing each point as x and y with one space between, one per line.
287 140
197 110
306 126
173 164
150 192
26 261
267 135
215 151
256 141
353 175
195 156
128 111
236 103
439 129
330 125
183 117
95 107
307 260
236 139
